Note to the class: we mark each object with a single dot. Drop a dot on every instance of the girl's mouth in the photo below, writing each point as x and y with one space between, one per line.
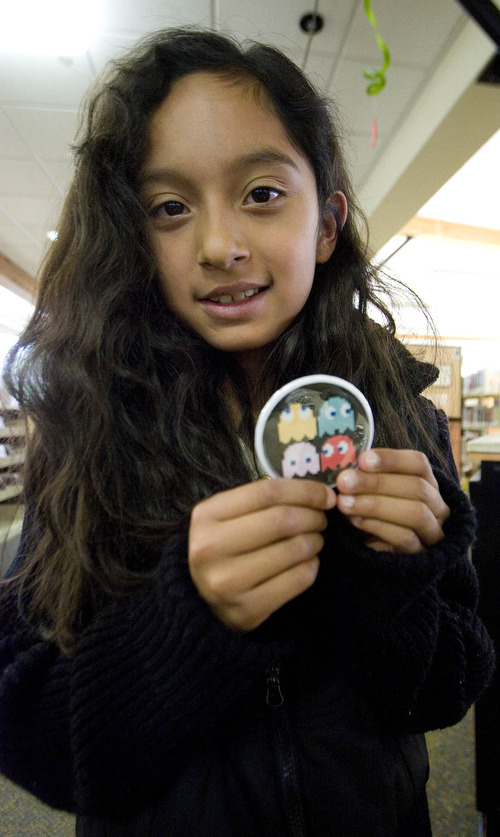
240 296
228 306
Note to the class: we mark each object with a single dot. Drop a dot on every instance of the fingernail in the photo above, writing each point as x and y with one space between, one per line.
331 499
348 479
371 459
346 501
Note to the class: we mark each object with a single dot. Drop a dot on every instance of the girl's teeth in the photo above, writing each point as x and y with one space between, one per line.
239 297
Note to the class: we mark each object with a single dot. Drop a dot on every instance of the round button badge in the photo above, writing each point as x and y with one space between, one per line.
313 428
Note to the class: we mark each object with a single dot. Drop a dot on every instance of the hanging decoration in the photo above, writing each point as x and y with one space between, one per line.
376 77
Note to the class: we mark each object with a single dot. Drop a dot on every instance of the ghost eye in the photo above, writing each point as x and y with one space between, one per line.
331 412
305 411
327 449
346 409
287 414
343 447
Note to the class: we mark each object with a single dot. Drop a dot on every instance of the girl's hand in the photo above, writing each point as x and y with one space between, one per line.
255 547
393 496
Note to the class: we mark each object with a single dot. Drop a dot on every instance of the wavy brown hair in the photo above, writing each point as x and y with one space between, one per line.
132 426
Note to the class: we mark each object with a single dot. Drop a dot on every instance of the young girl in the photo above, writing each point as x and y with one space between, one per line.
186 649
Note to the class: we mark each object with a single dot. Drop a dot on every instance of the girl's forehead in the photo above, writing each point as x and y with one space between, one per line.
205 112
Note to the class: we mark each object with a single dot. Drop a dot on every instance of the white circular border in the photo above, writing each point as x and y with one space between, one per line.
277 396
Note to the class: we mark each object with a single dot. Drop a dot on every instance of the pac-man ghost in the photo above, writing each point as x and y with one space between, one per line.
337 452
300 459
296 422
335 416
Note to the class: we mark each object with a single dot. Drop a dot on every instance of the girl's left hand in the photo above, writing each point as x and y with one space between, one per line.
394 498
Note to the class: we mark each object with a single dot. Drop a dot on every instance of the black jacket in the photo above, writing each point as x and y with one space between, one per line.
165 723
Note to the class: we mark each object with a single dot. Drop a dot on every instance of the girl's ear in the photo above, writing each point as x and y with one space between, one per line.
330 226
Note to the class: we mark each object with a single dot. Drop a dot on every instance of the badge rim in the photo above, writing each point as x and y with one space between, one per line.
282 392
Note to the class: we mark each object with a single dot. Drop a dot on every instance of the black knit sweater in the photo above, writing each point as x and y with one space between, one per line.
111 728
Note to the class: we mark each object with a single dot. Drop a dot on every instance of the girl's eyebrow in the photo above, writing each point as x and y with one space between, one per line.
164 174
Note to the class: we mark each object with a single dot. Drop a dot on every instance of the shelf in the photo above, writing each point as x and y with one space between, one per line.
12 456
477 426
9 492
13 459
11 524
13 430
467 395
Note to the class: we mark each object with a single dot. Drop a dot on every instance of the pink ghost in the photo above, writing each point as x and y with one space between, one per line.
300 459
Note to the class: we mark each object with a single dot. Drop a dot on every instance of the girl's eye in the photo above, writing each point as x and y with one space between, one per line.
169 209
264 194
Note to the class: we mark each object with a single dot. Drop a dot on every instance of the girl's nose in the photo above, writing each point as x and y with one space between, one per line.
221 241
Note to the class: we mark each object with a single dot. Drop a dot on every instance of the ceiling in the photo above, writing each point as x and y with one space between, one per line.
437 54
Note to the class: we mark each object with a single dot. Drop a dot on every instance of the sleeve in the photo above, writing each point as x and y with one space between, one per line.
409 620
103 728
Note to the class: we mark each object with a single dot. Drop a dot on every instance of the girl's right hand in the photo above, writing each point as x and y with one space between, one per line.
255 547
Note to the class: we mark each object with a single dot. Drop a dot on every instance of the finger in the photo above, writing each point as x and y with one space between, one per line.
262 494
229 579
392 461
253 531
408 514
379 545
389 537
409 487
257 604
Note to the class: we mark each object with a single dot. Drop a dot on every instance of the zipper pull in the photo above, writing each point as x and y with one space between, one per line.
274 695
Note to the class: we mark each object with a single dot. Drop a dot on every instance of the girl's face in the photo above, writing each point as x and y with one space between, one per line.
234 221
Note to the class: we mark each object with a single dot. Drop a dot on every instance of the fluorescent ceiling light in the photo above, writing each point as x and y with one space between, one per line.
49 27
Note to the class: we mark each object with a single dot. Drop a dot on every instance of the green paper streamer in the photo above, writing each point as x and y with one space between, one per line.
377 77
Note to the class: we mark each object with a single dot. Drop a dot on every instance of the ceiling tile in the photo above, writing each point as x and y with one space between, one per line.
48 132
146 15
25 254
413 31
36 79
17 235
11 145
388 106
108 47
278 23
25 178
62 174
30 211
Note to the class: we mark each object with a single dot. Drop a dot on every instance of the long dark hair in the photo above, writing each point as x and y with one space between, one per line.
131 423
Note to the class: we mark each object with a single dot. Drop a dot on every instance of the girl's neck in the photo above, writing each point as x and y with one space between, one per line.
250 365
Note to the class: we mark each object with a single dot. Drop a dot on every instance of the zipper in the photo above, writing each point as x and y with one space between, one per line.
274 695
284 753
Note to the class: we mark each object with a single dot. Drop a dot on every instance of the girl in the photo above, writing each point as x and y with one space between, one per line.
186 649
